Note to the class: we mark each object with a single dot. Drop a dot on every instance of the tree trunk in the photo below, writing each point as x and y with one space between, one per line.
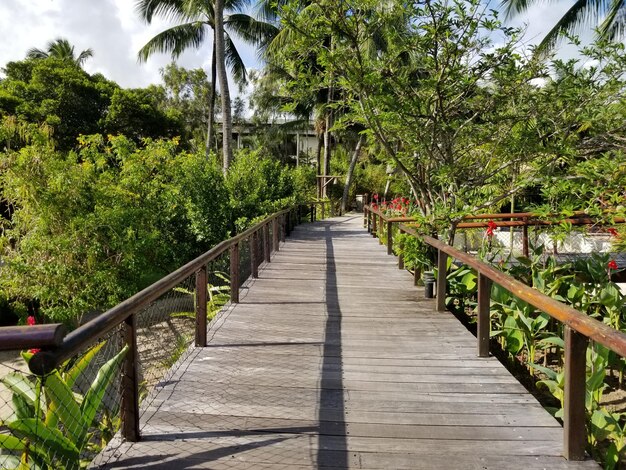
209 133
227 119
327 125
320 145
327 146
346 187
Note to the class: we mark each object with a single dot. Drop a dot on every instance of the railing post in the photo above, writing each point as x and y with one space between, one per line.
442 274
267 252
525 251
275 234
389 238
201 306
312 213
254 254
417 272
574 433
323 210
484 315
380 226
234 273
374 227
365 218
401 250
130 386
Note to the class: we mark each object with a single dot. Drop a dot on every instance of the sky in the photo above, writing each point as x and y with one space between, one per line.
110 27
113 30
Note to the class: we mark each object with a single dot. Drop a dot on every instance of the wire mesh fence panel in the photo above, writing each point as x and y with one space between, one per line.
64 419
165 330
245 258
544 239
258 239
218 284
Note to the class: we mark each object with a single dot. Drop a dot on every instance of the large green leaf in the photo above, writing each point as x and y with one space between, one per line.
48 442
604 423
22 408
93 398
79 366
13 443
20 384
514 336
66 408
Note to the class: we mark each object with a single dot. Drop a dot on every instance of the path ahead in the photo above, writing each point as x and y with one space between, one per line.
333 360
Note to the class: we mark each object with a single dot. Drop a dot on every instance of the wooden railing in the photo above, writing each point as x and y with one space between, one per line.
56 347
374 219
578 327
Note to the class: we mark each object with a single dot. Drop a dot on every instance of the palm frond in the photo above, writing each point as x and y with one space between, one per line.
513 7
83 56
252 31
234 61
175 40
169 10
237 5
35 53
582 13
614 25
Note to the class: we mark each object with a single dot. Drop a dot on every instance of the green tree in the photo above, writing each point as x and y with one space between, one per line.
61 49
58 93
194 18
140 113
187 94
92 227
430 88
583 13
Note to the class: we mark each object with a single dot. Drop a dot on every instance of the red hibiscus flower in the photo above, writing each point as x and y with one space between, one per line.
612 231
612 265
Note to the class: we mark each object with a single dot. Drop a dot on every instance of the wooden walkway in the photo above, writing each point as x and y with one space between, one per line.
333 360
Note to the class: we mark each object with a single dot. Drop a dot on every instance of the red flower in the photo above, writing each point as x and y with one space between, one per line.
375 206
612 231
491 226
375 197
612 264
34 350
30 321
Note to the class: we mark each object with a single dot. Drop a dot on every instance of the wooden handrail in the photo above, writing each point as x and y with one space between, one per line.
529 219
590 327
578 327
35 336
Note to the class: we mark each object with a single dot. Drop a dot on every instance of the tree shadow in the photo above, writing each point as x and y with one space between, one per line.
332 445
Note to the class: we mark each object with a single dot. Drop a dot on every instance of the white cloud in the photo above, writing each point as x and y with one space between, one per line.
111 28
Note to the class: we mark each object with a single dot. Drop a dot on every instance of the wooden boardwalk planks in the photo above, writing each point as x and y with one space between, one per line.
333 360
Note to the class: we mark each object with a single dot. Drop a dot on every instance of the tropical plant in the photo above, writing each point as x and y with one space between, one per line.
194 18
583 13
218 295
62 49
52 424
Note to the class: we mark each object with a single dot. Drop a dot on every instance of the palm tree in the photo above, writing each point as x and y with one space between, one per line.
61 49
195 20
582 13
